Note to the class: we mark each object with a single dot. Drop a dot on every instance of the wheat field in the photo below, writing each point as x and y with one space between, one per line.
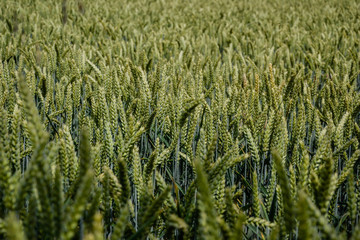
179 119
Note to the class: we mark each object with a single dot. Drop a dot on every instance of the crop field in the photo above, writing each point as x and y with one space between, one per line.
170 119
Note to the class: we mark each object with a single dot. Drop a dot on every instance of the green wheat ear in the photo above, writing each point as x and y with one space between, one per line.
57 201
97 227
328 231
121 223
208 224
6 184
238 232
84 152
188 110
124 181
13 228
303 216
151 214
74 212
35 128
252 145
289 217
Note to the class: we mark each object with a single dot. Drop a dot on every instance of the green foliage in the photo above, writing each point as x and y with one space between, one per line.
179 119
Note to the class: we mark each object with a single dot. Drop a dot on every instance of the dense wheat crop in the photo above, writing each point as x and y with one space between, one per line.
179 119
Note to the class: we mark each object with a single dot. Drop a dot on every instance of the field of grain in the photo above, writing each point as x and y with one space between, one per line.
179 119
